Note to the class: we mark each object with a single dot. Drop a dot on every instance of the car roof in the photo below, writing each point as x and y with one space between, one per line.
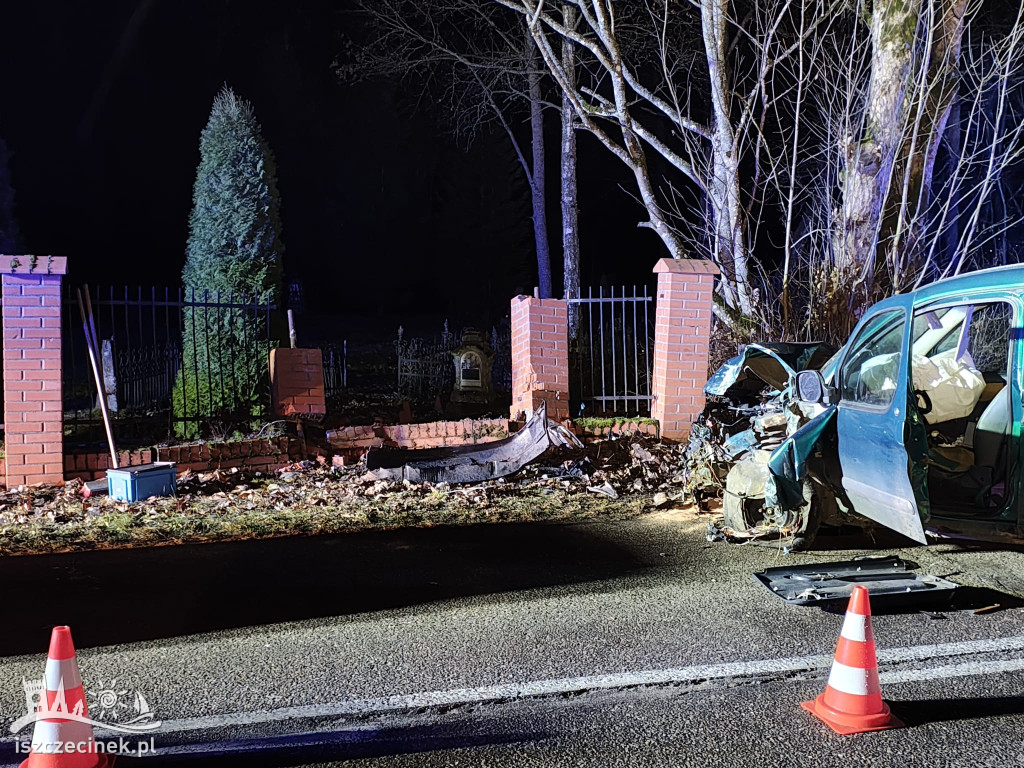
1010 276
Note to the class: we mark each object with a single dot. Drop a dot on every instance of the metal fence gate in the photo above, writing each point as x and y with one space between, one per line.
611 351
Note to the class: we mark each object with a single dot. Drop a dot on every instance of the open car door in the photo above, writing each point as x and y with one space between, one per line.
871 420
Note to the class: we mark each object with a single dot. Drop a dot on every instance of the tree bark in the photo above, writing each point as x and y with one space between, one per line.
729 220
537 186
922 147
868 161
950 235
570 204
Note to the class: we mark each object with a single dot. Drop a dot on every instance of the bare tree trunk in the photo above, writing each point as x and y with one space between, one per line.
943 79
570 204
933 111
1000 248
632 151
951 226
868 161
729 219
610 117
540 220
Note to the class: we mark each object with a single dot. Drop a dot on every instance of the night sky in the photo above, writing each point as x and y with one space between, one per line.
383 214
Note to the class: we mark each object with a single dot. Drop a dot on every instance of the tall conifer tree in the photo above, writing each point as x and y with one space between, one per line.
234 254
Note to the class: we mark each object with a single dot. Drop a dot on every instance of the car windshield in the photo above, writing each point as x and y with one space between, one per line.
828 369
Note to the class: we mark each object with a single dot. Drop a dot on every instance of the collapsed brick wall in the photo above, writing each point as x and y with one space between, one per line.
270 454
267 455
352 442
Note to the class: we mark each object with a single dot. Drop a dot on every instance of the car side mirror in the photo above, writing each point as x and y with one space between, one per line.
811 387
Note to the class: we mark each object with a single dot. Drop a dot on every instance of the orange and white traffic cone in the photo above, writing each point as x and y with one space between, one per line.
852 701
63 736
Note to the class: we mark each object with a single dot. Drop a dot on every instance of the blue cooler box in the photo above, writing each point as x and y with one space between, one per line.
142 481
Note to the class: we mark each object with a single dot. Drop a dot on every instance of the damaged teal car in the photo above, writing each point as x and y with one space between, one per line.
914 425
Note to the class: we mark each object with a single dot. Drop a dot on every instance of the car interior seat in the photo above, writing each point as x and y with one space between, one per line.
977 482
991 430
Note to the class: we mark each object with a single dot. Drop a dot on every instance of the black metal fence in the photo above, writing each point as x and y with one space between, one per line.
214 383
335 356
426 367
611 353
501 345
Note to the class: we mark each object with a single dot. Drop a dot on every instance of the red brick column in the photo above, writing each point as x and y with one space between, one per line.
540 356
33 399
681 342
297 382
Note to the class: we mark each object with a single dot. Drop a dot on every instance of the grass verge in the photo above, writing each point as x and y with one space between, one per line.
77 526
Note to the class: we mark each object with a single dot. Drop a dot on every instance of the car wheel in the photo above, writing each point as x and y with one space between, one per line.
744 513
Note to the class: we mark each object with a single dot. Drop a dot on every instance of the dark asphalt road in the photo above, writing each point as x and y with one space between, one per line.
124 596
970 723
256 627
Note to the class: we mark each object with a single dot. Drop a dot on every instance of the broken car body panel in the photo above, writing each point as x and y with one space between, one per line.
788 462
888 579
772 364
470 463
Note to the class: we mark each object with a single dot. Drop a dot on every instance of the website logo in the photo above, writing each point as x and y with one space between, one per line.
116 706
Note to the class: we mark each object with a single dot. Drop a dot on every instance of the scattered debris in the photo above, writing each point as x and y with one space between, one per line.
714 533
472 463
330 496
605 489
988 608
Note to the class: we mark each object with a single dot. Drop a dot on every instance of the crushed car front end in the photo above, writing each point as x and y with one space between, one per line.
752 412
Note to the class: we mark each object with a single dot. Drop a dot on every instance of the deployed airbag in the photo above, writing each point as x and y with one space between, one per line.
953 387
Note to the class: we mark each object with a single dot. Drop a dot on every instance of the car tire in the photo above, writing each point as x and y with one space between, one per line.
744 513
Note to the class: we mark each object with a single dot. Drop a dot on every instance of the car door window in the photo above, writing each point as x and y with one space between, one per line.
987 335
871 370
989 339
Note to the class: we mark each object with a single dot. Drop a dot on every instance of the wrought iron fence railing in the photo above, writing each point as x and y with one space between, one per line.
175 362
611 352
426 368
335 357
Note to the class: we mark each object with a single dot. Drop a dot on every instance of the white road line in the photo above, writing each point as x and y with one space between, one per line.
969 669
683 675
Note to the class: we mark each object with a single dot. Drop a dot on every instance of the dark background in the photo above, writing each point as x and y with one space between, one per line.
384 215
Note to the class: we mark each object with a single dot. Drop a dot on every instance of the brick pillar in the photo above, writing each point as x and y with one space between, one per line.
297 382
33 399
681 342
540 356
